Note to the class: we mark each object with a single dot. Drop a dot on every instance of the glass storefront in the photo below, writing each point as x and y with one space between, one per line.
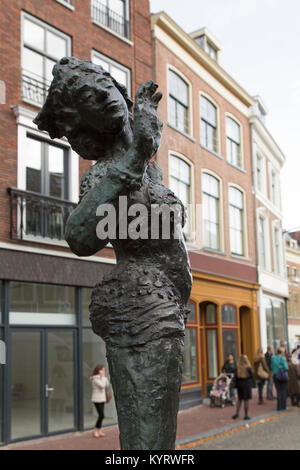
275 321
190 373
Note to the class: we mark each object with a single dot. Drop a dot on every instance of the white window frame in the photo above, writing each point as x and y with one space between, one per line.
221 211
244 222
190 232
242 165
218 140
25 125
110 62
190 104
45 26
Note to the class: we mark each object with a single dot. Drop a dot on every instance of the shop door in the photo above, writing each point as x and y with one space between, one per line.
43 382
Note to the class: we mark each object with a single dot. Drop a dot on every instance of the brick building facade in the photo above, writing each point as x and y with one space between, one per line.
45 289
206 158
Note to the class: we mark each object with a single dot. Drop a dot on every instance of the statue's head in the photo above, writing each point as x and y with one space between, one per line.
86 105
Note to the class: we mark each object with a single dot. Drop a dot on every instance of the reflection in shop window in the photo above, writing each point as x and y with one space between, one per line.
210 314
86 300
230 343
228 314
190 356
42 304
94 353
212 353
192 315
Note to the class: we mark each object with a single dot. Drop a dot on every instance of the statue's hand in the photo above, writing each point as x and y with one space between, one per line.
147 126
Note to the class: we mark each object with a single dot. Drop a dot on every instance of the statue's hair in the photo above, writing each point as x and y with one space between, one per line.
59 115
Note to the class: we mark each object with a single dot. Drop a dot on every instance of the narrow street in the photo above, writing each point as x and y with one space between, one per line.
282 433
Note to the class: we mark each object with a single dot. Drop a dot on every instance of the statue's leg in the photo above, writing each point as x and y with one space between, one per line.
146 382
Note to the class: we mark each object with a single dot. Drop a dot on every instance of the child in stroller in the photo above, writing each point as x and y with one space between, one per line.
220 392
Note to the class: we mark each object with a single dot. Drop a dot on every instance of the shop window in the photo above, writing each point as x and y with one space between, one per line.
212 353
210 314
190 373
94 353
230 343
86 300
41 304
228 314
192 315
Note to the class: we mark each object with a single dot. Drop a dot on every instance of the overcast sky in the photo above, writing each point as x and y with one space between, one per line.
260 42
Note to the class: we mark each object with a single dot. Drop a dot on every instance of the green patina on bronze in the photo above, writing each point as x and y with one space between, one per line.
139 309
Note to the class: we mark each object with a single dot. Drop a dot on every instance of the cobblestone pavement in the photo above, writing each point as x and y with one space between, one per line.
281 433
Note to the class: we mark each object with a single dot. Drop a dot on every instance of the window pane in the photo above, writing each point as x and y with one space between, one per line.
117 6
119 75
210 314
33 64
212 353
279 321
230 343
228 314
190 356
26 384
192 315
42 304
172 112
233 130
61 400
94 352
56 171
178 88
33 34
269 319
208 111
32 155
86 300
56 45
101 62
49 67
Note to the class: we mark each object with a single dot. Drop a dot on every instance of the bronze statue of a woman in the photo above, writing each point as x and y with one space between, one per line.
139 309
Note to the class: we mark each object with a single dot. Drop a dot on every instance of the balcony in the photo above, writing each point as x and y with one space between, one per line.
35 217
34 88
105 16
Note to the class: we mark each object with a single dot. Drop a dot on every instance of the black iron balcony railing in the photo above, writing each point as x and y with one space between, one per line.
36 215
34 88
107 17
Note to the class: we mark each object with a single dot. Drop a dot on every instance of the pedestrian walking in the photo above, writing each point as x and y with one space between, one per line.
268 357
100 395
261 373
244 383
229 368
279 369
293 388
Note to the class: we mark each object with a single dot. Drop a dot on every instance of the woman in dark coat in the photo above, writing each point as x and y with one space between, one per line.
244 383
293 388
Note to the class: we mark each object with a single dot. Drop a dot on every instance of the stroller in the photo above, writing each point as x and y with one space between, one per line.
220 392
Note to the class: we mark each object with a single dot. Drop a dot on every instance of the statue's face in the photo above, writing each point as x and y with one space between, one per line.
102 106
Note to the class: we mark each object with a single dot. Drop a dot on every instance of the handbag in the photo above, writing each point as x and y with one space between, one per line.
261 373
107 395
282 375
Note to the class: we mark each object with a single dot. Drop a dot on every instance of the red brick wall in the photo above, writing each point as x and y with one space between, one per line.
201 158
85 37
